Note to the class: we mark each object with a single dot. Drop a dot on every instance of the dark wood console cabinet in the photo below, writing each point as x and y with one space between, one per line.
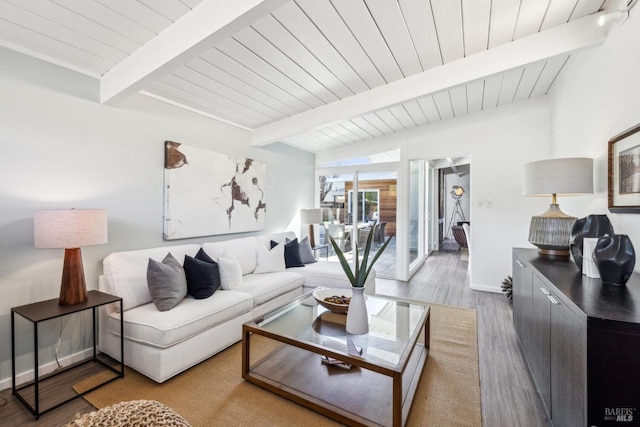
581 339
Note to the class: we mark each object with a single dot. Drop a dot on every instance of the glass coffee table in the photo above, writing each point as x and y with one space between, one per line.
301 351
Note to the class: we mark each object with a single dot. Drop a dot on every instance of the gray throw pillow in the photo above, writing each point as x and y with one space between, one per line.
306 253
167 282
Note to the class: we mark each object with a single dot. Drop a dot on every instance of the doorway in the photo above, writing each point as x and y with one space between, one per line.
454 184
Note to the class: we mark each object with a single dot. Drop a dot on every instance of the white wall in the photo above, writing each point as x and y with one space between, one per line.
598 97
60 149
499 142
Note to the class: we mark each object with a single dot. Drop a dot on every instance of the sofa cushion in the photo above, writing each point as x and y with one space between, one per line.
306 253
167 282
243 249
203 278
270 260
125 272
230 272
147 325
265 287
292 254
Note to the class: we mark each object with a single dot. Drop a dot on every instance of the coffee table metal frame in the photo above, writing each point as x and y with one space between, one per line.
412 361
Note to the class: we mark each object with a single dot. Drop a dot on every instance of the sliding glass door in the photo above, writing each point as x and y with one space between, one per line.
422 202
349 219
377 207
333 196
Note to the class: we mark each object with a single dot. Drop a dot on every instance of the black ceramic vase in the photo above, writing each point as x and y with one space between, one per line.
615 257
590 226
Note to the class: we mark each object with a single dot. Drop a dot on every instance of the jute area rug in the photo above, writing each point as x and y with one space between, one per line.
213 393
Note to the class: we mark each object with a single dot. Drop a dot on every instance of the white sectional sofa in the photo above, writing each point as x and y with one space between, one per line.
161 344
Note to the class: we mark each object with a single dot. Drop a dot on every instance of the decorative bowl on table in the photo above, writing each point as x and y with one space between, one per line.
336 300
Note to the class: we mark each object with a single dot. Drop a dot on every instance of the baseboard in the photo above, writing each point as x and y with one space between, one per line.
485 288
27 376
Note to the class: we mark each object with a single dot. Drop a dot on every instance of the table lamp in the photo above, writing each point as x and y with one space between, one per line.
70 229
311 217
551 231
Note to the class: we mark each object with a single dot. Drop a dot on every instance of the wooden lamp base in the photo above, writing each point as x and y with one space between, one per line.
312 236
73 289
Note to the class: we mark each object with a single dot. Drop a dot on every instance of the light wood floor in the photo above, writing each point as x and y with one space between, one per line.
508 395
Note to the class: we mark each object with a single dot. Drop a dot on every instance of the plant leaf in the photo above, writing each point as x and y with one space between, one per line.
378 253
358 278
363 273
343 261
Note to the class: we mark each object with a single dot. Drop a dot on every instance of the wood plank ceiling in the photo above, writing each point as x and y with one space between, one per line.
303 71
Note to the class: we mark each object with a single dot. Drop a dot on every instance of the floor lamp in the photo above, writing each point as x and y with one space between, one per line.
456 192
311 217
70 229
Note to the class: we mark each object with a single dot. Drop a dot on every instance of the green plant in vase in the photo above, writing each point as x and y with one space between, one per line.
357 316
358 277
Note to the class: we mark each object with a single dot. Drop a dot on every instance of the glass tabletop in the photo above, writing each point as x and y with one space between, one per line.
394 328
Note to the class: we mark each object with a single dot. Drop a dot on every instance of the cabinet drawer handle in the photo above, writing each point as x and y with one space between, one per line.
553 300
519 263
544 291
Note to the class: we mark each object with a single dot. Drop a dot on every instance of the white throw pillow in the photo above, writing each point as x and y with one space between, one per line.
230 271
270 261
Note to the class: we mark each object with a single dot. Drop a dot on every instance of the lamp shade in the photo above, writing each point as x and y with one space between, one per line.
457 191
558 176
310 216
70 228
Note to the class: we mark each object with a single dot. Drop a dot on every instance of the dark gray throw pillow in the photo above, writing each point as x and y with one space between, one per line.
202 256
306 253
167 282
292 253
203 278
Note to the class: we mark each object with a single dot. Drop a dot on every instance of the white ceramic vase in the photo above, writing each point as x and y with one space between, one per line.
357 316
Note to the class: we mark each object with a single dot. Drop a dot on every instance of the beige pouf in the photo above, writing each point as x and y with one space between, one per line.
138 413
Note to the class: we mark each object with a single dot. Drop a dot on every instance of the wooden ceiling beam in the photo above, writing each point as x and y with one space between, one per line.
209 23
560 40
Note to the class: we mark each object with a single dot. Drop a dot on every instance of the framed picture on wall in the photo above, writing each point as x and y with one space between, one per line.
208 193
624 171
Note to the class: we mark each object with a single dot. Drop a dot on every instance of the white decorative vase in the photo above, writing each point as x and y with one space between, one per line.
357 316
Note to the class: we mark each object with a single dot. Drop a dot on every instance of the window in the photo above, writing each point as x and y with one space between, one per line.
367 206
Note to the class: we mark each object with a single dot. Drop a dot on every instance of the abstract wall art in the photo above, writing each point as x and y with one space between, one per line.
207 193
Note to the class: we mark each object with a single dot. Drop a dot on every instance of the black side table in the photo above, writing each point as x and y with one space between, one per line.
46 310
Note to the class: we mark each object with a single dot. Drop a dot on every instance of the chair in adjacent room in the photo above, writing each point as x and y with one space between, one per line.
460 236
467 232
363 234
337 231
379 233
